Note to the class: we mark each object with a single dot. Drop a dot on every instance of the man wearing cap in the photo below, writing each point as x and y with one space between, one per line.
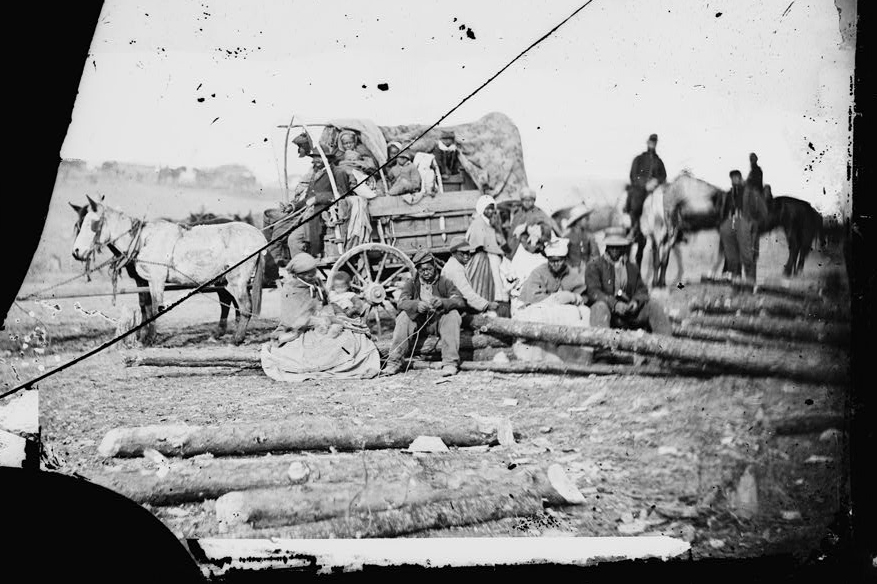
276 220
403 176
445 153
555 282
582 245
427 302
742 209
455 271
646 173
529 214
619 297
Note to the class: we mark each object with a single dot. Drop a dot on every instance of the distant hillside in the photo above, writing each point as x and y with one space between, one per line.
558 193
235 177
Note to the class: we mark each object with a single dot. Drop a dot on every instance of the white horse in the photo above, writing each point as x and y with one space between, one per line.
164 252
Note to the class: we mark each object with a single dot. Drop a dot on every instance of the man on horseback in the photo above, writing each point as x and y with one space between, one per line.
756 177
646 173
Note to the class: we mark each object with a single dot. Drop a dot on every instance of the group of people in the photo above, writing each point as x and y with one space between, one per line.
571 282
349 167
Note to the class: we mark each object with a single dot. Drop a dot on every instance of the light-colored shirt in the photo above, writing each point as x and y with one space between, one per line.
542 283
426 291
456 273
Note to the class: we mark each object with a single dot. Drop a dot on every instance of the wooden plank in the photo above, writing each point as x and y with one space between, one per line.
395 206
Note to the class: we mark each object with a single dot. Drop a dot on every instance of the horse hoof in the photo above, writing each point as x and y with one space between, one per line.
218 333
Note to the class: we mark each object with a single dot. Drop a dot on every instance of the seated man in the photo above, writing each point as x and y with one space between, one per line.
619 297
276 220
455 271
555 282
553 294
445 152
403 176
427 302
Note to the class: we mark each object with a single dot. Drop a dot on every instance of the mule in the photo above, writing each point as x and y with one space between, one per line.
163 252
683 206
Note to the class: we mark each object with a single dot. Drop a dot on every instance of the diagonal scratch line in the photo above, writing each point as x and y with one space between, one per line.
789 7
285 234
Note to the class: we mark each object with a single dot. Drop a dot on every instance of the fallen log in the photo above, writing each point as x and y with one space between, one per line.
771 306
196 479
747 287
811 366
807 424
525 367
410 519
815 332
305 433
308 503
716 335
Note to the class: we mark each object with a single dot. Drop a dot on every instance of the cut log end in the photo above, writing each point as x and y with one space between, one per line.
231 509
111 443
564 486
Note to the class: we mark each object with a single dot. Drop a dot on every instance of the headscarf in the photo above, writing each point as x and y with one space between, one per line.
396 144
301 263
347 133
483 202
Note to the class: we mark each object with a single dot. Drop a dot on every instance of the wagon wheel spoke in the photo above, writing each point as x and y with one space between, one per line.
366 266
356 273
393 275
356 286
381 267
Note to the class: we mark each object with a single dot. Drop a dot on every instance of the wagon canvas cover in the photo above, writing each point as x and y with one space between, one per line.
489 149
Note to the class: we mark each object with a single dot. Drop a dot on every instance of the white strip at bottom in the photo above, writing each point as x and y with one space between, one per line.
324 555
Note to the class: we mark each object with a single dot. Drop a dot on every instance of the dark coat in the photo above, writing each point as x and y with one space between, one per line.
448 162
321 187
756 177
749 201
582 246
442 288
600 278
646 166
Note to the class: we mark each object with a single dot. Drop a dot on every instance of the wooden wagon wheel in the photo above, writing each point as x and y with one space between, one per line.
374 269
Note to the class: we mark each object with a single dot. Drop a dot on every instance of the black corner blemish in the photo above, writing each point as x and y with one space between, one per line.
680 285
212 95
214 120
810 145
254 101
384 86
470 33
718 14
264 139
364 86
462 27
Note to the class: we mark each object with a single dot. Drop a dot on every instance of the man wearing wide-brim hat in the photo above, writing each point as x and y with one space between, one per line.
529 214
455 271
582 245
619 297
428 304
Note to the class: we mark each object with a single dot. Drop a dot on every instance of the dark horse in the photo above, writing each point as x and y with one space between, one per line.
226 299
802 225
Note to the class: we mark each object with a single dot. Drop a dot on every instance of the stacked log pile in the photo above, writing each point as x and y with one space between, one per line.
381 490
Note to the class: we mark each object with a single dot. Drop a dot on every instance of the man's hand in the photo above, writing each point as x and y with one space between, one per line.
436 304
493 306
621 307
632 307
423 306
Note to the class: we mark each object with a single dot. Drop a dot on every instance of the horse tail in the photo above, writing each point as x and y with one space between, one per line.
256 290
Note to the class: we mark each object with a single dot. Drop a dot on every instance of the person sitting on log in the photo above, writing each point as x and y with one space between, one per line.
619 297
427 302
556 283
312 342
455 271
403 176
445 152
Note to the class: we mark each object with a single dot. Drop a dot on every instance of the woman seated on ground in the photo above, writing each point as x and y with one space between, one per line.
312 342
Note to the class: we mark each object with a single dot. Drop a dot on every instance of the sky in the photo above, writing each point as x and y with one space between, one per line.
207 83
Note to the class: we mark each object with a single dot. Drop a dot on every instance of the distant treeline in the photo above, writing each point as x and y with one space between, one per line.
227 176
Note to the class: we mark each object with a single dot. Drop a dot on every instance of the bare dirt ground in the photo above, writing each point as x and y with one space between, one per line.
648 443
